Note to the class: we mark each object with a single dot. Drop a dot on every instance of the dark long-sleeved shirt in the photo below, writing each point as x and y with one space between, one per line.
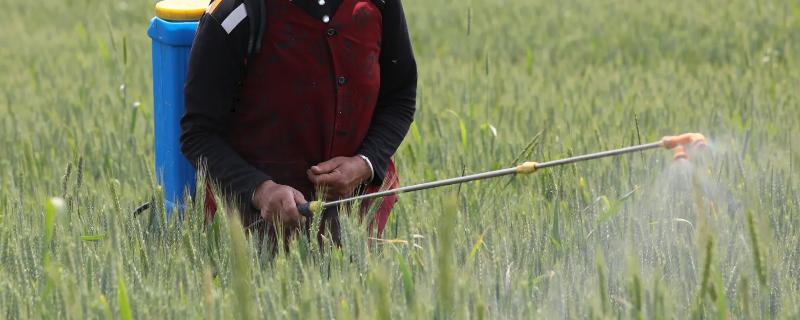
216 72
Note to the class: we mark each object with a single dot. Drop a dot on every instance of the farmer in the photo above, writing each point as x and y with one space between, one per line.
315 108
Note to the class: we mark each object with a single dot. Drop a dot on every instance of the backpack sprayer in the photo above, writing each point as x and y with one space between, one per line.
676 143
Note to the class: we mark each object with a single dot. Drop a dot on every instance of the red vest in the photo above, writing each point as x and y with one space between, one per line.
310 94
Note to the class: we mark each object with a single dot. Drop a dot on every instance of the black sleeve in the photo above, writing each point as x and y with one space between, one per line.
213 83
396 104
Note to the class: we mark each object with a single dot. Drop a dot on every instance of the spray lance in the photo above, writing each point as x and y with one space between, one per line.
677 144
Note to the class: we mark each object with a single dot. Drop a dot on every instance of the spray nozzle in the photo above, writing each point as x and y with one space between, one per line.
679 144
679 153
695 140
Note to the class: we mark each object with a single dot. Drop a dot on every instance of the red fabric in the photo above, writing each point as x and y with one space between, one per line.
310 94
387 203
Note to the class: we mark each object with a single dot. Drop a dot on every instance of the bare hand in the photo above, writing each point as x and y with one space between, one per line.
339 177
278 203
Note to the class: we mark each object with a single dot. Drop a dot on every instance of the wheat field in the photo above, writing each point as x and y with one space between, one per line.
501 81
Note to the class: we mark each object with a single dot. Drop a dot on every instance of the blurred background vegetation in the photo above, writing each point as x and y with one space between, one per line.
500 81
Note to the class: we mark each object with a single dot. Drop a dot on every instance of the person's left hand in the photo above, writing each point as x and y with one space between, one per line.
339 177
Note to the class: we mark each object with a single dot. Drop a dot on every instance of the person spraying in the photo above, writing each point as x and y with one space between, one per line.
293 100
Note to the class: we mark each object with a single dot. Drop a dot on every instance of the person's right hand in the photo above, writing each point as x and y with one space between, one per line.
278 203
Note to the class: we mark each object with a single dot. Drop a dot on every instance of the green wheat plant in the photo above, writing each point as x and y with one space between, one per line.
501 81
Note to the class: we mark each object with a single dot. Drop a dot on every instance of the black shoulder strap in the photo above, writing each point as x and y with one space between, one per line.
257 13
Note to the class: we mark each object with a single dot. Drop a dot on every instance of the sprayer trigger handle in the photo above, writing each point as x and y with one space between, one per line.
305 210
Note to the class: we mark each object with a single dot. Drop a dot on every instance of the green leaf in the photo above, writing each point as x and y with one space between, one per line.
463 129
96 237
475 248
125 312
415 133
408 279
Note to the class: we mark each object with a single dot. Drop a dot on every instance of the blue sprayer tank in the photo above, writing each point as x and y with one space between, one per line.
172 31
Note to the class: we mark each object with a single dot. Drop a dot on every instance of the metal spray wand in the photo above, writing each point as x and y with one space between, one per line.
676 143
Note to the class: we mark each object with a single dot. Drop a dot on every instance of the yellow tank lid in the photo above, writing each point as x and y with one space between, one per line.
181 10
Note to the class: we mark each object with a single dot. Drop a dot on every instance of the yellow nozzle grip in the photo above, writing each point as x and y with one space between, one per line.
527 167
308 209
316 206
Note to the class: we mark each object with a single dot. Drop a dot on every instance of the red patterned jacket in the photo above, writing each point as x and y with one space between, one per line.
317 89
